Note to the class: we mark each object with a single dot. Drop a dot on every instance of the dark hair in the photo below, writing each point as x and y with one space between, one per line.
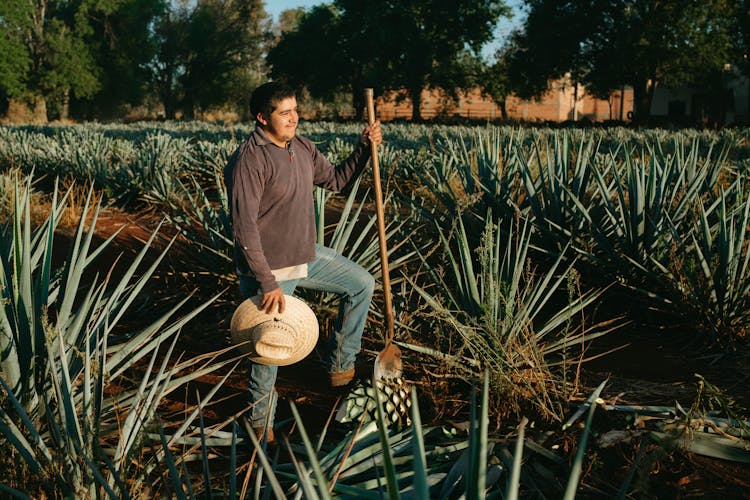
265 97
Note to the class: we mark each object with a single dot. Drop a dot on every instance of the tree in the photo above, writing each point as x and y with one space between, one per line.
643 43
437 46
313 55
14 58
208 55
289 20
54 60
409 45
123 42
168 63
496 84
550 45
223 37
669 43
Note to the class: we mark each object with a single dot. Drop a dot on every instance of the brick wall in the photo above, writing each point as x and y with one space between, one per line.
556 105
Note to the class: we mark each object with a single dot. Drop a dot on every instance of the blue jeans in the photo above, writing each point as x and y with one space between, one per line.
329 272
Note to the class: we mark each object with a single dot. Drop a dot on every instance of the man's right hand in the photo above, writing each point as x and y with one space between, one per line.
272 299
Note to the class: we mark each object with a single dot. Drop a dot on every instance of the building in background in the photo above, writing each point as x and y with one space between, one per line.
729 105
561 103
683 106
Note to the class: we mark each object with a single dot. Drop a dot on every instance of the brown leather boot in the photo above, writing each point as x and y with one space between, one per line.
340 379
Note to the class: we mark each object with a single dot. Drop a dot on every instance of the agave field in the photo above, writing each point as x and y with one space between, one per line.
533 269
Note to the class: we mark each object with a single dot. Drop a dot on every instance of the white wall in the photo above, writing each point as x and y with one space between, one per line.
739 84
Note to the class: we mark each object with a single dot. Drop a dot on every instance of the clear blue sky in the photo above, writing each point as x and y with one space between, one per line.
504 27
275 7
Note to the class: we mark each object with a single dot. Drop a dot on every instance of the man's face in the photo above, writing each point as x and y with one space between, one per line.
281 126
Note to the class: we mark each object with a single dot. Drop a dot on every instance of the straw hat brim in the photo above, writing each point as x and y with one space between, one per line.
274 339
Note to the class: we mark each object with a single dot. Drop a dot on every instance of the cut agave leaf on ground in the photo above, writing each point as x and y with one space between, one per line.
711 445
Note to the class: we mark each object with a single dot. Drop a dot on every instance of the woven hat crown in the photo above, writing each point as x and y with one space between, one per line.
275 339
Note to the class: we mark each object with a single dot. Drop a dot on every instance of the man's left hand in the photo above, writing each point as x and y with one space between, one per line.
273 299
372 134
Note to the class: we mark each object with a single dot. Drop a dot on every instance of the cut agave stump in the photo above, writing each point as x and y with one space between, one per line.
388 362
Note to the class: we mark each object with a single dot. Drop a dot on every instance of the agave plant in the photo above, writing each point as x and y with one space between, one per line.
204 222
481 175
372 460
153 175
711 278
505 313
556 176
375 460
640 210
63 352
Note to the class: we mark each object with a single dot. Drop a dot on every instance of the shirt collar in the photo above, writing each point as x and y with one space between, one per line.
263 140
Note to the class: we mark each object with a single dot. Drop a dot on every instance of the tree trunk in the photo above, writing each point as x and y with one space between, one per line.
169 109
65 108
575 101
503 110
40 109
358 85
168 100
188 109
358 101
650 90
642 95
415 94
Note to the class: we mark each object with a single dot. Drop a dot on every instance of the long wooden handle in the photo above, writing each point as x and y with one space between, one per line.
389 333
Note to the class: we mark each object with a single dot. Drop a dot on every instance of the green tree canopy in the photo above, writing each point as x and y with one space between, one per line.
123 44
606 44
93 53
408 45
49 56
325 54
14 58
209 55
550 45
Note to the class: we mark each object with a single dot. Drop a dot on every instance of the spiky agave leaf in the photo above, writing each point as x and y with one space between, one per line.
643 204
575 471
500 307
63 404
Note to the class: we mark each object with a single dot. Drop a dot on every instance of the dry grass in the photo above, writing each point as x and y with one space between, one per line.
77 196
41 203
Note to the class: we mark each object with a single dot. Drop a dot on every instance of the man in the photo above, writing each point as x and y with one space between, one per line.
270 180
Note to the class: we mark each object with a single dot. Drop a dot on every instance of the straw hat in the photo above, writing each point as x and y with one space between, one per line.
275 339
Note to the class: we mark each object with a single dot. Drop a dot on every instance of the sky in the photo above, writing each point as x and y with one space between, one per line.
504 27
